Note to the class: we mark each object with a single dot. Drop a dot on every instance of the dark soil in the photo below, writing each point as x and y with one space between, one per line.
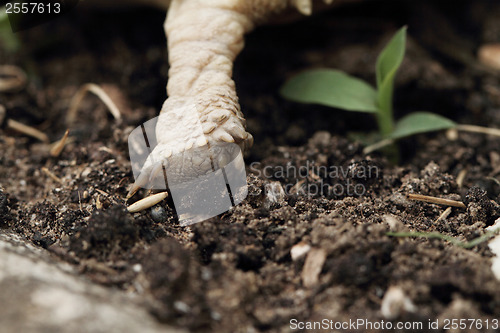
235 273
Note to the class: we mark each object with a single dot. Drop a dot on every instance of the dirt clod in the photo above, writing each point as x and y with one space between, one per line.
174 280
106 234
479 207
4 209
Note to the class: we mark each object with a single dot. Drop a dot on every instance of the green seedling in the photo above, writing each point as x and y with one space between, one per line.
466 245
8 41
337 89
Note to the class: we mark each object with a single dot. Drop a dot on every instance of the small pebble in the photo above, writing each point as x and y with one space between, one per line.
299 250
137 268
489 55
396 302
158 214
182 307
275 195
321 138
393 222
215 315
312 267
479 206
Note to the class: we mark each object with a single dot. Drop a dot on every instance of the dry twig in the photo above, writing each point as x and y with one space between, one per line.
28 130
12 78
99 92
461 177
437 201
479 129
378 145
444 215
58 146
51 175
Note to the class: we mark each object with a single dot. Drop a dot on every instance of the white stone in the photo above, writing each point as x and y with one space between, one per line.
299 250
396 302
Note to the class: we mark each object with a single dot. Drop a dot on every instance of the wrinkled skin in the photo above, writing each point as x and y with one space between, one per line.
202 110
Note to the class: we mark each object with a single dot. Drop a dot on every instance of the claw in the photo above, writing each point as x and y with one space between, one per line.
191 141
190 145
157 169
168 154
219 116
209 128
225 137
236 130
201 141
138 184
249 141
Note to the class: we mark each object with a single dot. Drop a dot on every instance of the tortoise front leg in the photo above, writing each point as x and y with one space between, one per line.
202 110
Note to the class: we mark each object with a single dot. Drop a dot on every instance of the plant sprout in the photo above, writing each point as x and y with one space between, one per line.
8 40
452 240
337 89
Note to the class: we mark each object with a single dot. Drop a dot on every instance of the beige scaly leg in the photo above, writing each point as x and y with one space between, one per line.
202 110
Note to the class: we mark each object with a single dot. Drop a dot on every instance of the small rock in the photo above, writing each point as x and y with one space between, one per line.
400 199
159 214
275 195
299 250
393 222
461 307
489 55
107 231
295 134
45 295
452 134
479 206
321 139
312 267
396 302
137 268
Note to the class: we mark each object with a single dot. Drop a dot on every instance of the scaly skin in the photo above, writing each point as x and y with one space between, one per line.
204 37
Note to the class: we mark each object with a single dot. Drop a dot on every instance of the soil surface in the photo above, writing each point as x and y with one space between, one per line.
303 246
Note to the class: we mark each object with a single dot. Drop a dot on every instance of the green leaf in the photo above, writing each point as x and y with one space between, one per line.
331 88
388 63
420 122
8 40
391 57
